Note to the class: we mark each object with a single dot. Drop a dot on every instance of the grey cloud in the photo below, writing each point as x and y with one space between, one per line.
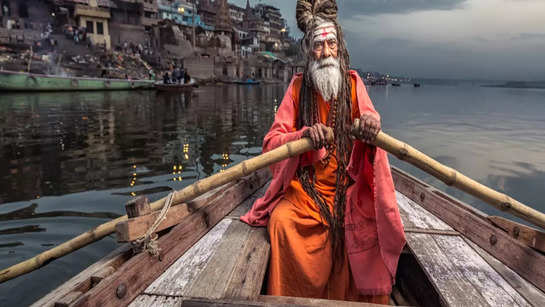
350 8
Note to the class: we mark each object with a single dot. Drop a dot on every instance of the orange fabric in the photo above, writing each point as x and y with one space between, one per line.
301 264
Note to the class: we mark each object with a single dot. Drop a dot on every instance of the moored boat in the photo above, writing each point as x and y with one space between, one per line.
248 82
17 81
455 256
175 87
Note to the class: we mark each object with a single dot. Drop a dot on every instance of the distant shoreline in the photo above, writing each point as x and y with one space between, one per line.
523 85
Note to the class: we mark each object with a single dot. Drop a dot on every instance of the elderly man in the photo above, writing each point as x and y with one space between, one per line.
332 216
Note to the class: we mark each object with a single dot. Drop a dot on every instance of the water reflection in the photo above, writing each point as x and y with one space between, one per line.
71 160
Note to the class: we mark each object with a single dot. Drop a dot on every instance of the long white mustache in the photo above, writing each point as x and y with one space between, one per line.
326 76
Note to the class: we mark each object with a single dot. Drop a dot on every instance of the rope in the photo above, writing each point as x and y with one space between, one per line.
149 241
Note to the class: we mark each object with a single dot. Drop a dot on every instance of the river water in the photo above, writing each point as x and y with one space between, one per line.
69 161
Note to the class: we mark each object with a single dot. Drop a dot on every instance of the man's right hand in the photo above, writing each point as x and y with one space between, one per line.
318 134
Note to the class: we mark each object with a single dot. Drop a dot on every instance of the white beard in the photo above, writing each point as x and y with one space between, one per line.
326 76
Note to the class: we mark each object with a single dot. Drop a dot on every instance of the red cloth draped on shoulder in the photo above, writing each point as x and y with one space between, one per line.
373 243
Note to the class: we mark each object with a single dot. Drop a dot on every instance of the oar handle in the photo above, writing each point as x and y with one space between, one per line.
456 179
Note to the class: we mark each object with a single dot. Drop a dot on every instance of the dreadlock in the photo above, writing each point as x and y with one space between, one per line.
310 13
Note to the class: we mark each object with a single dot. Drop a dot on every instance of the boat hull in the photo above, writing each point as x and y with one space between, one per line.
18 82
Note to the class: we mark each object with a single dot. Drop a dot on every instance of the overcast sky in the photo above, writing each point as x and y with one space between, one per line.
471 39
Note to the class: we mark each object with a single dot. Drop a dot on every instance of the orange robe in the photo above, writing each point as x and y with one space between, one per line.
301 264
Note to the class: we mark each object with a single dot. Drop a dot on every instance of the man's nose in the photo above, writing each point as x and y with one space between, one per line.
327 51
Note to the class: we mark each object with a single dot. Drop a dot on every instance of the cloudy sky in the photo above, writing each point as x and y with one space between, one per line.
471 39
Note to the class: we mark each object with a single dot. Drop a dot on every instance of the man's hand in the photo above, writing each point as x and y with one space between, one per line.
318 134
366 128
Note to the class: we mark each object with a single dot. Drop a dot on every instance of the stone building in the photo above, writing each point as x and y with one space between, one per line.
132 21
208 10
96 20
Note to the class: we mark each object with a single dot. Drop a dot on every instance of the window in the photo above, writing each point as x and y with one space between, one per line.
100 28
89 27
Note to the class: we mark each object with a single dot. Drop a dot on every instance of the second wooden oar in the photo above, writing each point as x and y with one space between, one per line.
198 188
452 177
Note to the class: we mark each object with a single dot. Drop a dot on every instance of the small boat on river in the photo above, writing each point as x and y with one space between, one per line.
248 82
26 82
455 256
176 87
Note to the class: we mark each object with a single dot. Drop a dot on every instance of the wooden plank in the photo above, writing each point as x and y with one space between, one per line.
82 281
101 274
212 282
176 280
533 295
300 301
66 300
527 235
141 270
432 231
495 290
135 228
414 216
474 225
137 207
271 301
247 204
156 300
452 286
247 279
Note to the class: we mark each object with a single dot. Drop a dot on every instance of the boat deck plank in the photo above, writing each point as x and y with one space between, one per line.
246 205
228 262
456 269
156 300
414 216
532 294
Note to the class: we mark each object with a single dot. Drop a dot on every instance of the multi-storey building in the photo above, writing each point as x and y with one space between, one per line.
183 13
237 14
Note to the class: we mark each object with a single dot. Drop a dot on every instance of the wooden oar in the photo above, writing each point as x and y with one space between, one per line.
452 177
198 188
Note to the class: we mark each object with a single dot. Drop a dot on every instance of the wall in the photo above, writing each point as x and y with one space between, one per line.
200 67
97 39
120 33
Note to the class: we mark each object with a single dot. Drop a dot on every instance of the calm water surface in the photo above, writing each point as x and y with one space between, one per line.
69 161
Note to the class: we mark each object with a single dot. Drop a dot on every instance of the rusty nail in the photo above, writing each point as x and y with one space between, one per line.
121 291
516 232
493 240
422 196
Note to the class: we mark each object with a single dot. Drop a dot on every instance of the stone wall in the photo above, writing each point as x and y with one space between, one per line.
200 67
121 33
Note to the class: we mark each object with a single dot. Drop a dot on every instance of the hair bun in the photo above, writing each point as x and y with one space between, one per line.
308 10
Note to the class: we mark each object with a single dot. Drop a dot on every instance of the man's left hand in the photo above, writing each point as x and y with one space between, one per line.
367 128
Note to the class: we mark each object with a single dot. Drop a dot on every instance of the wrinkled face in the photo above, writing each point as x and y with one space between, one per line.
324 41
324 66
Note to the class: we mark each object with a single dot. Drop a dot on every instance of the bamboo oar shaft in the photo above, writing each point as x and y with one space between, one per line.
188 193
453 178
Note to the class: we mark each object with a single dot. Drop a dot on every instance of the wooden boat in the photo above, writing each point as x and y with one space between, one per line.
175 87
16 81
455 256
